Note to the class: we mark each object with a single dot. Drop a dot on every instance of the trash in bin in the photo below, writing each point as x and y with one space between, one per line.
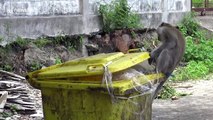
112 86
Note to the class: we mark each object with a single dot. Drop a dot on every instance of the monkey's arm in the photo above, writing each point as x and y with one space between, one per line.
164 62
155 53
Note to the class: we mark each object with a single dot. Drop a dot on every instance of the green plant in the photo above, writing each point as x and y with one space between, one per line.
133 34
3 53
41 42
7 67
58 61
198 3
81 39
167 92
117 15
198 50
21 42
35 66
193 70
6 114
13 108
1 39
189 25
71 48
209 64
198 53
72 43
58 39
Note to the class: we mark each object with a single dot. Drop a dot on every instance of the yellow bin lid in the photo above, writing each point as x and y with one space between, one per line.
90 66
79 74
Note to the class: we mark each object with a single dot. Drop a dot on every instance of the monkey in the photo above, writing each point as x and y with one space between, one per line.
168 55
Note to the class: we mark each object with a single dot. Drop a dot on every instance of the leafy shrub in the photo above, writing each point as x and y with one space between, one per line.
199 55
198 3
209 64
167 92
71 42
200 50
21 42
193 70
117 15
189 25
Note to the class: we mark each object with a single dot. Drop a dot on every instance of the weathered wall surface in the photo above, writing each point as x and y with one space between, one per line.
36 18
38 7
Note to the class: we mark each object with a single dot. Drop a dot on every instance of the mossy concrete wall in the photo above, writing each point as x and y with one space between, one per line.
37 18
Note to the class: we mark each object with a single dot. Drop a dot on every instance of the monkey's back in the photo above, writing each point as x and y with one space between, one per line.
175 44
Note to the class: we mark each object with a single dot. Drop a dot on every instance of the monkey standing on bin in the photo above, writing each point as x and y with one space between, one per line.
168 55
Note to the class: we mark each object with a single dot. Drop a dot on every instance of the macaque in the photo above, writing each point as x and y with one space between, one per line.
168 55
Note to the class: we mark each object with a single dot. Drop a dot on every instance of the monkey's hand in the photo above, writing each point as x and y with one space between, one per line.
169 74
151 59
153 55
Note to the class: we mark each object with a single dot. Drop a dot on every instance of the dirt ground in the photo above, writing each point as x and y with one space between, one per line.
197 106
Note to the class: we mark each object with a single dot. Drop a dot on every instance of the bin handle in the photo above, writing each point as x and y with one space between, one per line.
97 67
94 68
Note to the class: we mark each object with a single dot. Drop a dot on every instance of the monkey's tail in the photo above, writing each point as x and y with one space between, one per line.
159 87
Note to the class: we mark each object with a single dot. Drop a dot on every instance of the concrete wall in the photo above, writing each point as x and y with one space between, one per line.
36 18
